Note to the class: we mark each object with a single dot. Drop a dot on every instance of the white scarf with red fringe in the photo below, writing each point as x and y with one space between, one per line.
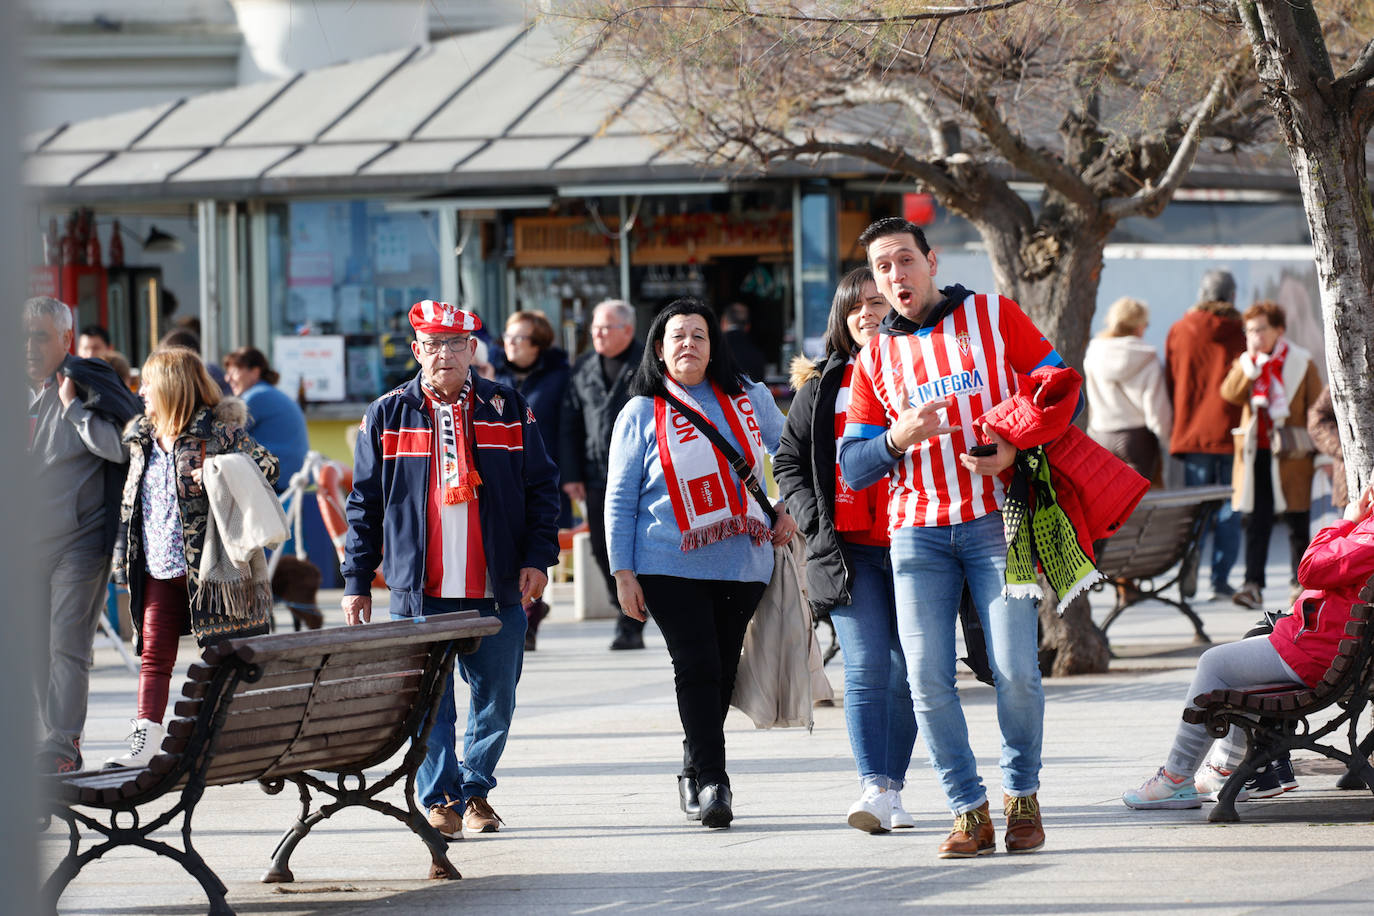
709 500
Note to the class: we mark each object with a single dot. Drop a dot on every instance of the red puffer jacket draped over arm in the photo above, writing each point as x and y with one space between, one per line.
1096 490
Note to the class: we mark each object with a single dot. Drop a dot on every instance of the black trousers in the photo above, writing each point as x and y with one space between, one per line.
1259 526
703 622
596 527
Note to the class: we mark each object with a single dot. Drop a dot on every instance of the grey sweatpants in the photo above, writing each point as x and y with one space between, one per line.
1237 666
71 592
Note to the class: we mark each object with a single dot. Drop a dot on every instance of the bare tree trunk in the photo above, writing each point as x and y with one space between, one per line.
1326 139
1054 279
1071 644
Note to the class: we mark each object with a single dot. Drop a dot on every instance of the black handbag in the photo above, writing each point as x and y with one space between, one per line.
727 451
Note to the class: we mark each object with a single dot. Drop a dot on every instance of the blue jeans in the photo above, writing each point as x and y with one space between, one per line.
491 674
1200 470
877 700
930 566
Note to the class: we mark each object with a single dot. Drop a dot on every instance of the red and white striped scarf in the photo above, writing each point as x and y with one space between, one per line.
458 476
710 502
1266 391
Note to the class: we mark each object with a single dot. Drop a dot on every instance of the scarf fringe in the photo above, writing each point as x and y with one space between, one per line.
463 492
1079 587
244 599
1022 590
715 532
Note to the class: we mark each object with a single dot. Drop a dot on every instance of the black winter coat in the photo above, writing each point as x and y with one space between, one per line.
543 390
589 411
102 392
804 468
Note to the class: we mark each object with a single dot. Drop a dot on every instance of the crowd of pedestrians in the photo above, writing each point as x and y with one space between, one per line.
913 461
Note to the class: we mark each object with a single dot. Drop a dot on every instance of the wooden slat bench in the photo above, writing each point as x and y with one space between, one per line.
270 708
1163 533
1275 718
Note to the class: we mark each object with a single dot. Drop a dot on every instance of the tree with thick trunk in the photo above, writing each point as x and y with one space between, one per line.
1325 122
1103 105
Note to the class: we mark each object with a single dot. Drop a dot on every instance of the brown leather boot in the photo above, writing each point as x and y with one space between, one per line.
1025 833
972 835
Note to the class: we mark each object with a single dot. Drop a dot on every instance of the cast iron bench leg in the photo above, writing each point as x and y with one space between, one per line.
1224 812
1356 777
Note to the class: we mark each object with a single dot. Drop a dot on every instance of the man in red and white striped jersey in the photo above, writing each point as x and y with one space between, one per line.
942 358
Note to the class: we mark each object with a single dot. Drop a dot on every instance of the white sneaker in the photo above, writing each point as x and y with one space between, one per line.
900 818
872 813
144 744
1209 780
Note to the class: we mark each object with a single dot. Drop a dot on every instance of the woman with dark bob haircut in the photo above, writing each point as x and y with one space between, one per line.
687 541
848 568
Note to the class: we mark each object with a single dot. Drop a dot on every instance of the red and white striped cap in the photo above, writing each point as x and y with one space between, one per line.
434 317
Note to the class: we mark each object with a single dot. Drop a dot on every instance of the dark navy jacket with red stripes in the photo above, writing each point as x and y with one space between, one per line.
517 500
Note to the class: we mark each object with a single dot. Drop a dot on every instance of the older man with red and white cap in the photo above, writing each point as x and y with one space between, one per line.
451 476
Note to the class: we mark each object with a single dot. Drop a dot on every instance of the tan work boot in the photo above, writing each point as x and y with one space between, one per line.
1025 832
447 821
972 835
479 816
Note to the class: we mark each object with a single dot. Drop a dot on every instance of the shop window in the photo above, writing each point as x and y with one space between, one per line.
352 269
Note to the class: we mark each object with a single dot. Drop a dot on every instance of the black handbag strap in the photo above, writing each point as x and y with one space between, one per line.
736 460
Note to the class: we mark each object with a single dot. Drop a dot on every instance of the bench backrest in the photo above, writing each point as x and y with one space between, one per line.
1353 653
1353 662
1164 525
341 698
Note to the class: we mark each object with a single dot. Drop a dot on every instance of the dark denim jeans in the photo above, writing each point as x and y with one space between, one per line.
1200 470
491 674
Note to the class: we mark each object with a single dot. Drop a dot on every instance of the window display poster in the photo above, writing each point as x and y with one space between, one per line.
355 315
391 248
318 360
364 372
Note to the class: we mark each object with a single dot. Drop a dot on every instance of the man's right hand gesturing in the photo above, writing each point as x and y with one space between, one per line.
357 609
917 424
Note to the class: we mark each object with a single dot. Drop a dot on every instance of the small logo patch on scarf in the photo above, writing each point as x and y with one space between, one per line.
706 494
499 402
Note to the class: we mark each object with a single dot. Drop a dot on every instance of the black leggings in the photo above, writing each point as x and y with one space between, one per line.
703 622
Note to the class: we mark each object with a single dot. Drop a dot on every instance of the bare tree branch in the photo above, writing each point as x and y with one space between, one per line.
915 101
1150 199
1360 72
743 10
1014 148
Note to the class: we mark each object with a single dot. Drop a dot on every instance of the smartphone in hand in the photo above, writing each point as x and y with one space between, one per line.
983 451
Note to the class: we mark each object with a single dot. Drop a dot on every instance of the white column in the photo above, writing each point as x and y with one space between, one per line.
624 251
208 231
259 283
450 290
282 37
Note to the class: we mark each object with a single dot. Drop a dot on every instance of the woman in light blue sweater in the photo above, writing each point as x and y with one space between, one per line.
687 542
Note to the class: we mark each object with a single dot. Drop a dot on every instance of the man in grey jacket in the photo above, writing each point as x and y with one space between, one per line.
70 445
597 390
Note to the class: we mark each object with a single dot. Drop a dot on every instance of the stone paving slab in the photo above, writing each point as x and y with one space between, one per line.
587 790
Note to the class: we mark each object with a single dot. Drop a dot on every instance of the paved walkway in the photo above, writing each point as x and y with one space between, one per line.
588 794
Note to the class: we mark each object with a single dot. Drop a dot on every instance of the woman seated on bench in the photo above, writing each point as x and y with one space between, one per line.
1338 562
